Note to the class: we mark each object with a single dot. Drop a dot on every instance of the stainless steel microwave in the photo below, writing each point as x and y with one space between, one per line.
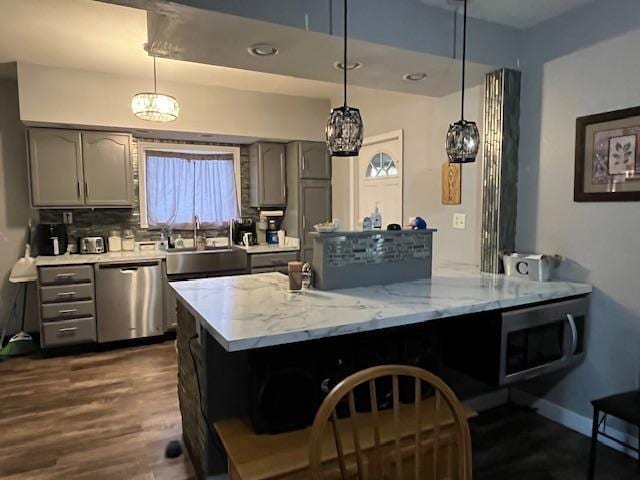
504 347
541 339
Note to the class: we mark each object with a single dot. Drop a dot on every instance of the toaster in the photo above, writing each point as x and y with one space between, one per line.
92 245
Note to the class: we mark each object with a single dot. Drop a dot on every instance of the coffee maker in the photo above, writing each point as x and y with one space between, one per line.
244 231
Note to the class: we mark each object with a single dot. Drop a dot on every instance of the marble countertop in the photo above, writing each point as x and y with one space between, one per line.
264 248
252 311
110 257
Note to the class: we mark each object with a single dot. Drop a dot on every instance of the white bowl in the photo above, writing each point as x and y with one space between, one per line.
325 228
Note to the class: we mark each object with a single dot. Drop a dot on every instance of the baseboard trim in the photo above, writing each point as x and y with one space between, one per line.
488 400
574 421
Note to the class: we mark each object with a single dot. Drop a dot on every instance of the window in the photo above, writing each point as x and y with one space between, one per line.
177 185
381 165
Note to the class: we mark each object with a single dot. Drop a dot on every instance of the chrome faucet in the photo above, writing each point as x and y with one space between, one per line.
197 244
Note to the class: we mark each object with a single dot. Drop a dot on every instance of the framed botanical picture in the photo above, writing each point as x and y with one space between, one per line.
608 157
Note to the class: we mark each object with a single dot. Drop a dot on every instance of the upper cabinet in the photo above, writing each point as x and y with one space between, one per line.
70 168
314 160
107 169
267 175
55 161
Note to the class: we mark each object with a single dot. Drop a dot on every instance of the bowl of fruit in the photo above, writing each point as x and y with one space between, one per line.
326 227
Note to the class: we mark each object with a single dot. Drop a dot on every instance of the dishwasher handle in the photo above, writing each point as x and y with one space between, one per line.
127 266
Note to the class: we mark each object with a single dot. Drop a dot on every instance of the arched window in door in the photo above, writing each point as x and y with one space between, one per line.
381 165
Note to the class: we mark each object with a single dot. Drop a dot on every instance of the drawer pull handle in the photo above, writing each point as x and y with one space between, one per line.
66 294
67 311
66 275
67 331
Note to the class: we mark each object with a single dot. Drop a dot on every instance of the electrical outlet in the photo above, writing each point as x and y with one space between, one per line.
459 221
67 218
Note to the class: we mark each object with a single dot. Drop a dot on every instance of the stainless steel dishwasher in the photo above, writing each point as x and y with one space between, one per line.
129 298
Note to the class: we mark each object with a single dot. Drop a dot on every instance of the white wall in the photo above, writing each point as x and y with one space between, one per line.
563 81
76 97
14 198
425 121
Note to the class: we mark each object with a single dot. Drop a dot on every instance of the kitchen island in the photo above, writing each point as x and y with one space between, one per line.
228 326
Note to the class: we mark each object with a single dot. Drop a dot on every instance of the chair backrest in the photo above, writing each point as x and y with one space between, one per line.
423 438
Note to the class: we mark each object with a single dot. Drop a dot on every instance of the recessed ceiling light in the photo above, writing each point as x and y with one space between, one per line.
262 50
415 77
350 66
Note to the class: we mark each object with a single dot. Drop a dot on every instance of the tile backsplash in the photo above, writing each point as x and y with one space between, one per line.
88 222
383 247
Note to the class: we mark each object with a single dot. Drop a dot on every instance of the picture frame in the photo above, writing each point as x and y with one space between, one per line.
607 157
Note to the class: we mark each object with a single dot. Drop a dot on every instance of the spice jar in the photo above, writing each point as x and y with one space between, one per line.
295 276
128 241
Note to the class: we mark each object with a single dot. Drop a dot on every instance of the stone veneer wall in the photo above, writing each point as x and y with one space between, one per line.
194 429
88 222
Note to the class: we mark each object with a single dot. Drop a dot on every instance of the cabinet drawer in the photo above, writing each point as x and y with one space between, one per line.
272 259
66 275
263 270
67 310
68 332
66 293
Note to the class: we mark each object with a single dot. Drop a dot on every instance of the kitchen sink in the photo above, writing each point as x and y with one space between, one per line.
213 260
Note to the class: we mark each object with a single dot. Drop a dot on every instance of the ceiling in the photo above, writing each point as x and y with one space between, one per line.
96 36
208 37
521 14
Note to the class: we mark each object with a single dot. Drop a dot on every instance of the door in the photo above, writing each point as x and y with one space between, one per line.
108 179
378 179
315 206
272 175
315 162
55 167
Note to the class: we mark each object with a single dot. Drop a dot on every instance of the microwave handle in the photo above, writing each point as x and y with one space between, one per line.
574 333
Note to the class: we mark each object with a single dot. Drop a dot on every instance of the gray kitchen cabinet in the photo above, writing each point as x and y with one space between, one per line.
313 159
55 167
267 175
72 168
308 202
108 177
67 309
315 207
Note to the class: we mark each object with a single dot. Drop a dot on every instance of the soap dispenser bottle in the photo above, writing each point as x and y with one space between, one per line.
376 219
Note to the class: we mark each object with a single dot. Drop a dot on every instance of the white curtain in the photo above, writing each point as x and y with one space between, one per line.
180 186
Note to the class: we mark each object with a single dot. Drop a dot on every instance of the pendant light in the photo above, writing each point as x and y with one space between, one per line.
463 138
344 128
154 106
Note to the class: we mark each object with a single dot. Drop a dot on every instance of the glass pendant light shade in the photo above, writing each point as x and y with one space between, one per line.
344 132
463 140
156 107
344 128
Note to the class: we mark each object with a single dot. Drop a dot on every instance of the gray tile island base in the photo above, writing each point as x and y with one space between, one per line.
232 330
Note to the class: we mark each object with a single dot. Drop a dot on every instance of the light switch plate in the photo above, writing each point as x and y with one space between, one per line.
459 221
67 218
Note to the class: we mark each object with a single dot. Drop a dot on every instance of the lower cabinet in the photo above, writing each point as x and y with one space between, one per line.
67 305
69 332
272 262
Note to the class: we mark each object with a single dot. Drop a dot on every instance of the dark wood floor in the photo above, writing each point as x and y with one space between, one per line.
109 415
95 416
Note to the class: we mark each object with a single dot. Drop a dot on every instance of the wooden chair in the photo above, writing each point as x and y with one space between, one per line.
426 439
